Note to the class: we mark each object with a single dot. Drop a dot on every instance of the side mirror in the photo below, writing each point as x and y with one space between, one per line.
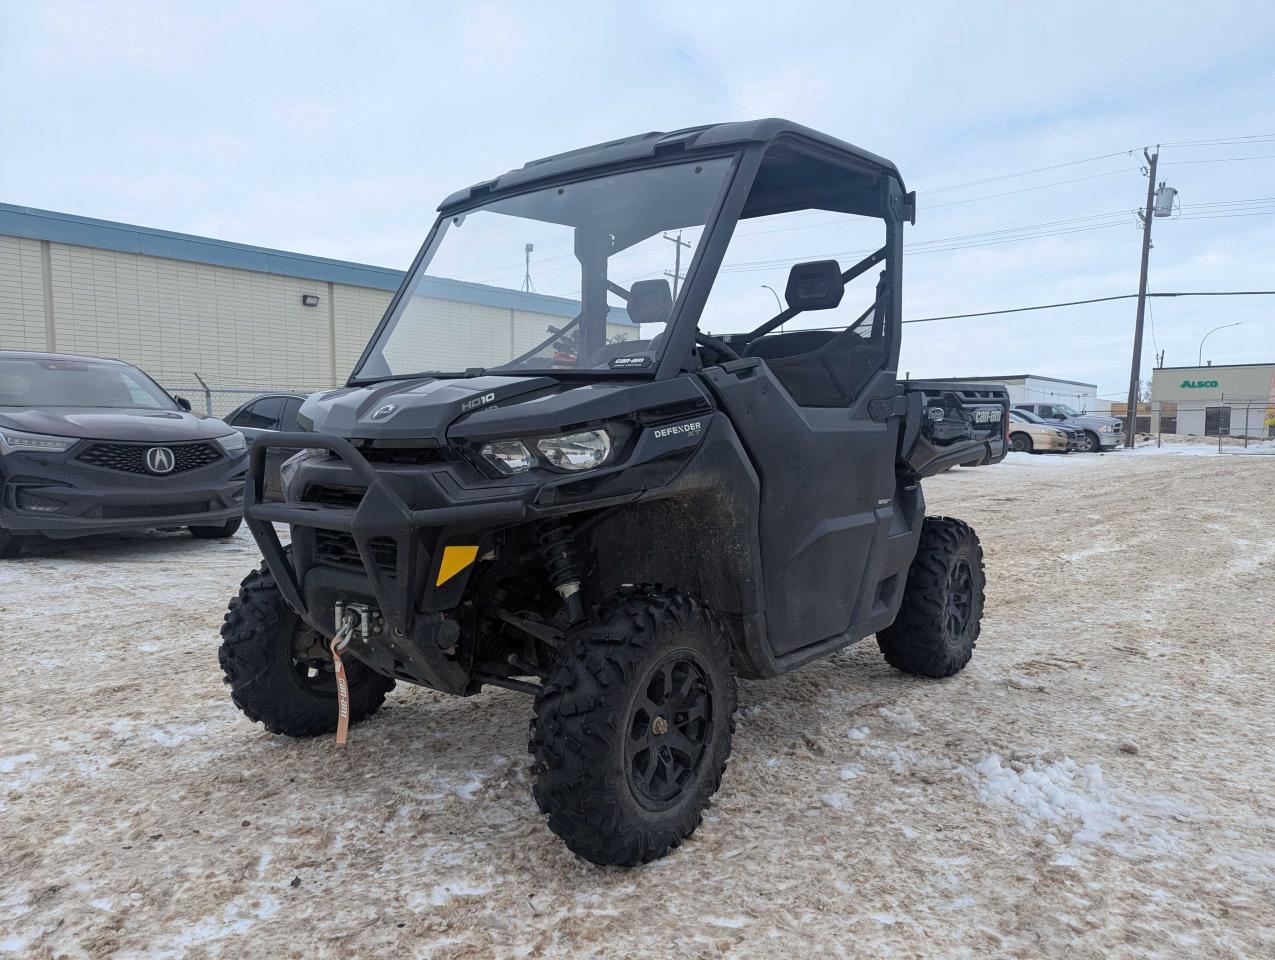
816 285
182 402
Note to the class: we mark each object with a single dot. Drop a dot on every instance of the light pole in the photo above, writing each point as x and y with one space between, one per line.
1199 361
779 303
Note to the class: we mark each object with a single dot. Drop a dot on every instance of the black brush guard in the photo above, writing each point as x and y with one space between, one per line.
381 513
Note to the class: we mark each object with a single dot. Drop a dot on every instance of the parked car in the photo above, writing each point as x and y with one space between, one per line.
1029 434
1101 433
270 413
1075 435
96 446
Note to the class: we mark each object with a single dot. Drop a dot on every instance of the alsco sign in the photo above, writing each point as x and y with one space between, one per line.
1197 384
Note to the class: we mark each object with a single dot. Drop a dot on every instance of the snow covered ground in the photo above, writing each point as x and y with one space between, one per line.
1096 784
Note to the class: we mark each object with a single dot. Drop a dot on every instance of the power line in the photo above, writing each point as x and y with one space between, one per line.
1010 193
1260 156
1025 173
1076 303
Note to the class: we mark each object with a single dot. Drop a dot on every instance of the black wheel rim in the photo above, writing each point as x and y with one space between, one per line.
960 598
312 665
668 729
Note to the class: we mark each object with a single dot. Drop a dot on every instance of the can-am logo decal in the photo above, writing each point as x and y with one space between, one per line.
380 413
160 460
477 402
1197 384
987 416
694 428
627 363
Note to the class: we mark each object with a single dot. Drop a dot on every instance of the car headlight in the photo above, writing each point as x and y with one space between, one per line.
510 456
576 451
233 443
14 441
1106 428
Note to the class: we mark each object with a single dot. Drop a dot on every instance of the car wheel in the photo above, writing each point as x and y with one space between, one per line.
633 728
1020 443
218 532
1091 443
10 545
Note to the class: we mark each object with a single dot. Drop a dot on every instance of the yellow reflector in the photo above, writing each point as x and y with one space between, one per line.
455 559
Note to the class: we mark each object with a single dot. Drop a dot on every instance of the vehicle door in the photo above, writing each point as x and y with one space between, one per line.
816 402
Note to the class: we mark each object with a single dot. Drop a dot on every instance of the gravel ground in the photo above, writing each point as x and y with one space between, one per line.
1095 784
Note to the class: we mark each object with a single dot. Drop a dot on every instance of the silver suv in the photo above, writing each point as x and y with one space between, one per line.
1101 433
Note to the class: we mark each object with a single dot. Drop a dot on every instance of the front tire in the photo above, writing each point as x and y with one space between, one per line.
279 670
1091 443
938 623
10 545
633 728
1020 443
218 532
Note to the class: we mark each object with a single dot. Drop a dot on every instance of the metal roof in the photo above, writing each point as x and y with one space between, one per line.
1016 376
707 138
35 224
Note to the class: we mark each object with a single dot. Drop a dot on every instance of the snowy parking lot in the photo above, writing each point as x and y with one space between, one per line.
1096 783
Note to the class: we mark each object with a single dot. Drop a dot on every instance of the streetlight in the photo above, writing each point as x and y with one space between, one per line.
779 303
1199 361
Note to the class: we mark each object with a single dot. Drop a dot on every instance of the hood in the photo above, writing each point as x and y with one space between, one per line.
1096 419
418 410
434 412
99 423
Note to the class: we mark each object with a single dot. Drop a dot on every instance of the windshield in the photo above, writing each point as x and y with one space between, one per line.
581 276
1026 416
1065 410
27 382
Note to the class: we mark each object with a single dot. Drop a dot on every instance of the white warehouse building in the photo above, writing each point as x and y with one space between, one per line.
240 318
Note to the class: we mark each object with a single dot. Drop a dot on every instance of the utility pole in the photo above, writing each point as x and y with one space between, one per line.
1131 412
677 275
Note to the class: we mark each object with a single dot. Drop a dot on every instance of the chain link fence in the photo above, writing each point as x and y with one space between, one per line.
217 400
1239 423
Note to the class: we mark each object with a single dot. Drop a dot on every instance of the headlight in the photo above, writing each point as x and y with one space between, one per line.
511 456
233 443
578 451
1106 428
11 441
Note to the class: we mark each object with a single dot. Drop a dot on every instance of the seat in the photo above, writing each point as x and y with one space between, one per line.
820 368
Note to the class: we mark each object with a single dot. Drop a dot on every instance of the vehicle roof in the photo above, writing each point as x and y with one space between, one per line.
36 355
690 140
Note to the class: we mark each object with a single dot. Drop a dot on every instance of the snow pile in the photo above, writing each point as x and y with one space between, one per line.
1067 796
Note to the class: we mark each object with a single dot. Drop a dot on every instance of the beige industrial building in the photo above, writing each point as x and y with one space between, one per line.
240 318
1234 400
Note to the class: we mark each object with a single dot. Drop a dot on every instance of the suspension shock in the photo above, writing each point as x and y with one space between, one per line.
557 550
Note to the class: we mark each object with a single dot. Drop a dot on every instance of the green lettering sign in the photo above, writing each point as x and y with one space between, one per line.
1197 384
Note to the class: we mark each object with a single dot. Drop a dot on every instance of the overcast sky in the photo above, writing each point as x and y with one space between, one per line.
334 129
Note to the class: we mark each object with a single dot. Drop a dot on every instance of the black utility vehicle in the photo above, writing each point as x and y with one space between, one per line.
616 526
96 446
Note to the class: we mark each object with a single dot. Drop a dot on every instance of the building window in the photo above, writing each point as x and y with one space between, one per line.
1217 421
1168 424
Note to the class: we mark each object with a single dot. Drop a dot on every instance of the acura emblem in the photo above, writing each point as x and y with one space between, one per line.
159 460
380 413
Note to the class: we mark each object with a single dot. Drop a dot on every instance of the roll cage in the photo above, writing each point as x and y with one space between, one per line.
777 167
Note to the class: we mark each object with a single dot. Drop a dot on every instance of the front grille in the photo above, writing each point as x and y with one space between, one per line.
145 511
336 548
131 457
414 456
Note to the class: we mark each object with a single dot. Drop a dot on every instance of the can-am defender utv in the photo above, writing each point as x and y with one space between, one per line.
615 511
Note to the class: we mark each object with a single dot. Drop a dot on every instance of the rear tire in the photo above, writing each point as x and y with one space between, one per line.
279 672
219 532
633 728
938 624
1020 443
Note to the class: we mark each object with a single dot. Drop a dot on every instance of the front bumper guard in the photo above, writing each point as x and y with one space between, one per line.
382 513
